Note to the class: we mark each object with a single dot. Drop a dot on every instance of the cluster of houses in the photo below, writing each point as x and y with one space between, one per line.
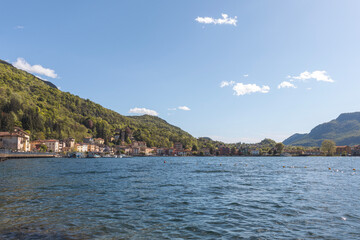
315 151
19 140
69 145
137 148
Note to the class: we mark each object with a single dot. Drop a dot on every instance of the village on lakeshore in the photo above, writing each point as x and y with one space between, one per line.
18 141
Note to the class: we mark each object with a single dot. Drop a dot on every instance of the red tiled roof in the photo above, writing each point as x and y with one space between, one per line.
50 140
8 134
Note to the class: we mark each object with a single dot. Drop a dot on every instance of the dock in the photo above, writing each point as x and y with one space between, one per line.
8 155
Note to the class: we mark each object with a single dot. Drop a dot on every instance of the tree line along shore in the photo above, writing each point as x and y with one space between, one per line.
124 143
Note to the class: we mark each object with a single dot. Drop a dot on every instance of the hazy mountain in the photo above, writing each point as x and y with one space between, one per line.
344 130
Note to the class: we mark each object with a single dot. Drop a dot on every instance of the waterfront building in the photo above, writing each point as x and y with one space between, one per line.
78 147
340 150
355 150
81 147
312 152
135 151
62 146
84 147
160 151
70 142
170 151
186 152
91 147
18 140
51 144
149 151
67 145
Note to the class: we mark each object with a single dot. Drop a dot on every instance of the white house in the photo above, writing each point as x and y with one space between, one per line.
18 140
52 145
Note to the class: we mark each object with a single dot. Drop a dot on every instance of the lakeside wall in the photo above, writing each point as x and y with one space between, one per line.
8 154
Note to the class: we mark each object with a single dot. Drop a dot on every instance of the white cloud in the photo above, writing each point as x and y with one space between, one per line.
185 108
309 88
37 69
226 83
246 75
172 109
286 84
224 20
242 89
320 76
19 27
143 111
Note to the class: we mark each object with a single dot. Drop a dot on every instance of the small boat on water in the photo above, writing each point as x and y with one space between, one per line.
76 155
109 156
93 155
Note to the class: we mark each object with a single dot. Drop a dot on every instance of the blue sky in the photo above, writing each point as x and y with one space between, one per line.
166 57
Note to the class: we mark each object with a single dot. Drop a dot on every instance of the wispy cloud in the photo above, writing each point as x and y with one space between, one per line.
246 75
184 108
36 69
224 20
318 75
226 83
137 110
19 27
286 84
243 89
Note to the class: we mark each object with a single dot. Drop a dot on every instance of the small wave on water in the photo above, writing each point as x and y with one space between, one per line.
211 171
186 198
85 172
32 232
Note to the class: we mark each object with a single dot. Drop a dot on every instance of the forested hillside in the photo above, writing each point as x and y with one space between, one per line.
46 112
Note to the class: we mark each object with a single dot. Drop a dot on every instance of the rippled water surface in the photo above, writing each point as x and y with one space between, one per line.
183 198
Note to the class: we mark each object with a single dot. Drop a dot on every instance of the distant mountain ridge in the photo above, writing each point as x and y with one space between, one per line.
344 130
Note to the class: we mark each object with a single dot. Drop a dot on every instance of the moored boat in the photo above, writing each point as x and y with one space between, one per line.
93 155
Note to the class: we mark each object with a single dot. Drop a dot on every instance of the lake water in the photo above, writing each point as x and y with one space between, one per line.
184 198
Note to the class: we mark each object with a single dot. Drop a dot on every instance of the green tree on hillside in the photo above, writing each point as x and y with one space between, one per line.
279 147
328 147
